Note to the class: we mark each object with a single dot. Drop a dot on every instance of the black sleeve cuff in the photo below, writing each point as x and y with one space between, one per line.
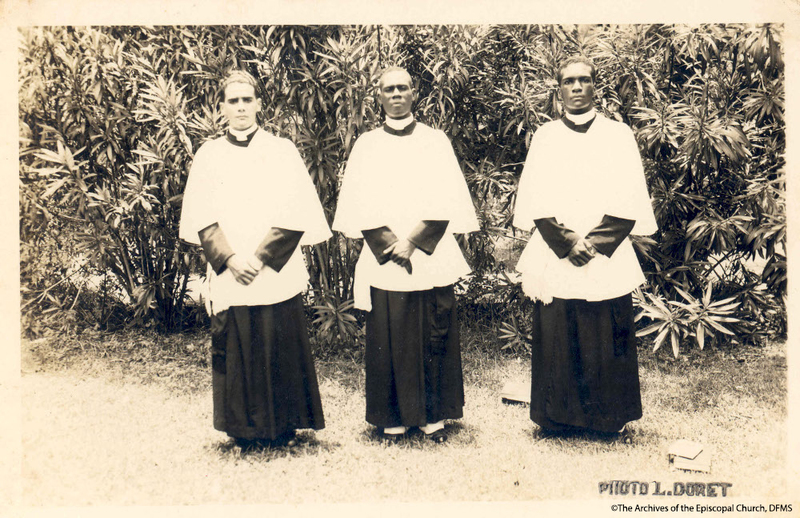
277 247
427 234
215 247
559 238
378 239
609 234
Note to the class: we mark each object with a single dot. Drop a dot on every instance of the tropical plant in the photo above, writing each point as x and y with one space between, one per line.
110 118
694 318
514 337
336 324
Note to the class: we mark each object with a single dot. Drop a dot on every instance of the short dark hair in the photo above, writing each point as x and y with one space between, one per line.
237 76
571 60
394 68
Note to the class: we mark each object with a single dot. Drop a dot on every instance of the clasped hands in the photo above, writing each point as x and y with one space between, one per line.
244 270
581 252
400 252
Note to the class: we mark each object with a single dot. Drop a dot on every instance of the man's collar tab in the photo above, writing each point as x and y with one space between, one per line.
580 128
408 130
240 143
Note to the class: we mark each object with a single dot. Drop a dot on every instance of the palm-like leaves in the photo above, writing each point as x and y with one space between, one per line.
677 320
110 118
336 322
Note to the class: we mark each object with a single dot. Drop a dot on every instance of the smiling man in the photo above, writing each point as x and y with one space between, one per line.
405 195
583 192
250 203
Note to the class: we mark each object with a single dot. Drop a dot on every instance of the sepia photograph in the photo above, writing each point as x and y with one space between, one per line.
316 257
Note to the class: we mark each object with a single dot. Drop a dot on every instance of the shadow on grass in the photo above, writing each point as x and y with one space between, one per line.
581 437
346 369
705 380
732 400
457 434
307 444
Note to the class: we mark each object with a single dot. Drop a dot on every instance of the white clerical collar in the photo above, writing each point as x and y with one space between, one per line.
399 124
581 118
242 135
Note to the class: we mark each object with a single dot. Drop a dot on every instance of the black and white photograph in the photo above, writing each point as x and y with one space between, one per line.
310 257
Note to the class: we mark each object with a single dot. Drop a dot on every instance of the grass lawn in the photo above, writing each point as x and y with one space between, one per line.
126 419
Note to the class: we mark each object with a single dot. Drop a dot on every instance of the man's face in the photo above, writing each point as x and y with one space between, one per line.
240 105
577 88
396 94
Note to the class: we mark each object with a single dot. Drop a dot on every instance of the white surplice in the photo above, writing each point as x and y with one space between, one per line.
247 191
578 178
399 181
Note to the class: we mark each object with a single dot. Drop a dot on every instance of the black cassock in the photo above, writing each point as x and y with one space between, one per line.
584 368
413 351
253 197
263 377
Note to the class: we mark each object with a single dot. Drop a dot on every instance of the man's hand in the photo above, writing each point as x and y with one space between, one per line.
400 252
255 262
242 271
581 253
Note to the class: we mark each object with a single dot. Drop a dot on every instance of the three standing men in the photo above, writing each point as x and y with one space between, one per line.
250 202
405 195
583 189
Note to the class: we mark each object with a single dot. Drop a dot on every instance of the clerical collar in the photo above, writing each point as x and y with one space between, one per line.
400 127
581 122
241 138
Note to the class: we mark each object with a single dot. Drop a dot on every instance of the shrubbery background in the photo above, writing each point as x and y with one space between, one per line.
110 117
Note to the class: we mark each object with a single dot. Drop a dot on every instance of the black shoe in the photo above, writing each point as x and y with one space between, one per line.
625 436
391 438
288 439
438 437
248 444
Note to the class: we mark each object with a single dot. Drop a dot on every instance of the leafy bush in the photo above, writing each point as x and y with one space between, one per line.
110 118
337 325
107 148
706 105
695 318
